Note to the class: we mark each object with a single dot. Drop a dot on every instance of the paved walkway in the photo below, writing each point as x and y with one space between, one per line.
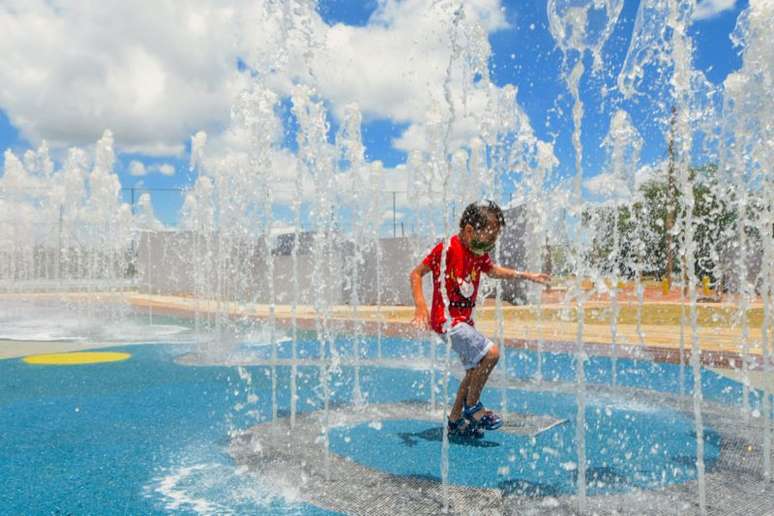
516 326
520 327
725 341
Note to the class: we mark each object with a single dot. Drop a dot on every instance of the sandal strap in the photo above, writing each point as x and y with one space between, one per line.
456 424
469 411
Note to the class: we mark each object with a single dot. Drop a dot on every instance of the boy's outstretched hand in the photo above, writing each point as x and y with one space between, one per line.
538 277
421 319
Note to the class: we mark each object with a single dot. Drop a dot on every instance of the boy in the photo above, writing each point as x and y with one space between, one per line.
467 258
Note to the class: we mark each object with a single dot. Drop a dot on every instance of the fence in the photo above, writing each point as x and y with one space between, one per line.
179 262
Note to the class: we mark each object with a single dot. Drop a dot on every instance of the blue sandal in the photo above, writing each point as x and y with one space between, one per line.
462 428
489 421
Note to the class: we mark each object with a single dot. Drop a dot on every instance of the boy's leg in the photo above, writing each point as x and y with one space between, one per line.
462 394
479 356
478 377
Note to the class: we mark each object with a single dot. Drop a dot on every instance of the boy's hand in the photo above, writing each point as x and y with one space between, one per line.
539 277
421 318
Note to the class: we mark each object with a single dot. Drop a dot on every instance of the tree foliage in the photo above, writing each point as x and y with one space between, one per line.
642 241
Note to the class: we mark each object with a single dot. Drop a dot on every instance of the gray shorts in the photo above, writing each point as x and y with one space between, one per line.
469 344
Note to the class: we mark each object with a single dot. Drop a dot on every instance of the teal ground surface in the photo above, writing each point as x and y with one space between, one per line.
149 435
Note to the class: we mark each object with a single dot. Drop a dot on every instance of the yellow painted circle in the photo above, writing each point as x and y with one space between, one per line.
83 357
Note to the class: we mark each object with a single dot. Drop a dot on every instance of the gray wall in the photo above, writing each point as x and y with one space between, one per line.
396 262
167 261
513 253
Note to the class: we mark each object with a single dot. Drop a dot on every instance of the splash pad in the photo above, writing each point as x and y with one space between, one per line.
273 243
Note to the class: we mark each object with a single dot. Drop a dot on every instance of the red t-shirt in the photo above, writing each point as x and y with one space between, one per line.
463 272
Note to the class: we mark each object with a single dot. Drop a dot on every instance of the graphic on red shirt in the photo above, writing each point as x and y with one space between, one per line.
463 273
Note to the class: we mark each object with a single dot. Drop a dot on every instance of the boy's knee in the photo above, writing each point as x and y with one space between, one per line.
493 355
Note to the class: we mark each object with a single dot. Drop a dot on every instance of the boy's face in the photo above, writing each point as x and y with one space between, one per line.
481 241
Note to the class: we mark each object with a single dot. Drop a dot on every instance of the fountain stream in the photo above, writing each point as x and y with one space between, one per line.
578 26
236 207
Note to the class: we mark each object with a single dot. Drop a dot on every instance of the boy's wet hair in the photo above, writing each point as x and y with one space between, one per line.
477 214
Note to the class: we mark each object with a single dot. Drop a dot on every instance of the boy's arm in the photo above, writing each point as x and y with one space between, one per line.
421 316
500 272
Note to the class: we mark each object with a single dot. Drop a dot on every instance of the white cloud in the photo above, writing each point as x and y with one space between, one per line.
157 73
607 186
394 67
710 8
401 65
651 171
389 216
136 168
71 70
165 169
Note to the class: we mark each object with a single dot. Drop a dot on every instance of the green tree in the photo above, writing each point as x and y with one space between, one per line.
642 228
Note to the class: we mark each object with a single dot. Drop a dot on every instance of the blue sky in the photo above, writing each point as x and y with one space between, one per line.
524 54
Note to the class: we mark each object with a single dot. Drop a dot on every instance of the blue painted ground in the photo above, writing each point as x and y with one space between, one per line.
149 436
